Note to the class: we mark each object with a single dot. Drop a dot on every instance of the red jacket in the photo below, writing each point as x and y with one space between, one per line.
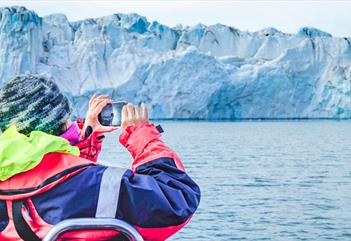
156 196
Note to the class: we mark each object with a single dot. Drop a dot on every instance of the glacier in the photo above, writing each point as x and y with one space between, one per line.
192 72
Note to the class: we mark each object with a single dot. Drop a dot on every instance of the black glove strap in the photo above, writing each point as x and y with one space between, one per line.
88 132
159 128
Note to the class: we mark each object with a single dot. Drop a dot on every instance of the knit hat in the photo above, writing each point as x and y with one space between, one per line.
33 102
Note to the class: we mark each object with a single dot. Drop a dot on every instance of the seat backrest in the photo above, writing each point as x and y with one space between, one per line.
92 224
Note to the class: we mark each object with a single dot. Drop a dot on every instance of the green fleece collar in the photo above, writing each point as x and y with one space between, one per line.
20 153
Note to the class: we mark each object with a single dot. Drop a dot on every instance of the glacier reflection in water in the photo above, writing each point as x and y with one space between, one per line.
287 180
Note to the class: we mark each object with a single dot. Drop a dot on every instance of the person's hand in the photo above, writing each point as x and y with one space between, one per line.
96 104
133 114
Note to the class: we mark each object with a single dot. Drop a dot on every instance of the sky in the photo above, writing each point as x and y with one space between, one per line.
287 16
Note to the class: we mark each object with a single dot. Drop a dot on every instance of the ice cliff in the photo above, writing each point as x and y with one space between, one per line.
199 72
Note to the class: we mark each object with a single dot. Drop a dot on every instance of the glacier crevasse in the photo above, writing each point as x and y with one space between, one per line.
198 72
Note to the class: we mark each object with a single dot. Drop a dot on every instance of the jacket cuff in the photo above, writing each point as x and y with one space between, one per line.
91 146
136 137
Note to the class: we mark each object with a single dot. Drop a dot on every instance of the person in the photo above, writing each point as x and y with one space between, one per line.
48 169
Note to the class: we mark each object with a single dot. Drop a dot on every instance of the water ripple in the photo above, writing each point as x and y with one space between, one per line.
263 180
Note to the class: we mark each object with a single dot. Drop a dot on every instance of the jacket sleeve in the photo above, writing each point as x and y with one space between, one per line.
90 144
156 195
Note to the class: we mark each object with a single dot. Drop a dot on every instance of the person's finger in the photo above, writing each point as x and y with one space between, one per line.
97 102
145 112
102 97
131 112
92 99
124 119
137 113
124 114
102 104
108 128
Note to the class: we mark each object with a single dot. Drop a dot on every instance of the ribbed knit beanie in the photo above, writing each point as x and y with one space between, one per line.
33 102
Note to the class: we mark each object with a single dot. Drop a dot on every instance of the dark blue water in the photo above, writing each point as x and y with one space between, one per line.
262 180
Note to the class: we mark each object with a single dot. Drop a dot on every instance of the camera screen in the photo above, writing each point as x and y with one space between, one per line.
111 115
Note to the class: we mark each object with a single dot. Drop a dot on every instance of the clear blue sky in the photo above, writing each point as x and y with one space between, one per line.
287 16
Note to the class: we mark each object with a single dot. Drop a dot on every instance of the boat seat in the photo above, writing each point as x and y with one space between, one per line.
128 231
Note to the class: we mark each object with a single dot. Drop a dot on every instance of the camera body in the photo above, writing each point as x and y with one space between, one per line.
111 114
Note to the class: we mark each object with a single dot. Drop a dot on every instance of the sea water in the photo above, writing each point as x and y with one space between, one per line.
287 180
